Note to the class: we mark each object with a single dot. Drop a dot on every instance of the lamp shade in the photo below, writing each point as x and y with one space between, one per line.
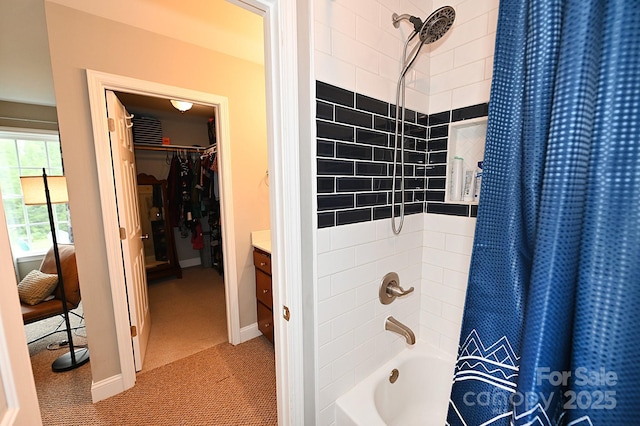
33 189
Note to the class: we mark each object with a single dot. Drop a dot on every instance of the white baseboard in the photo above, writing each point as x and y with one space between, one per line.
190 262
106 388
249 332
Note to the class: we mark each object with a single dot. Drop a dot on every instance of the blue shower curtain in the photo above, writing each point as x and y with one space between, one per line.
551 328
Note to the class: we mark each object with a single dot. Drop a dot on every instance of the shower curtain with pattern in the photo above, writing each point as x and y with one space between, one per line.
551 328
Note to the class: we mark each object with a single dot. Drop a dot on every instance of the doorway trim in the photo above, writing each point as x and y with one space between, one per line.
281 19
98 83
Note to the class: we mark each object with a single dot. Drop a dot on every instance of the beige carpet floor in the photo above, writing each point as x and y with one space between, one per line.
190 375
222 385
187 316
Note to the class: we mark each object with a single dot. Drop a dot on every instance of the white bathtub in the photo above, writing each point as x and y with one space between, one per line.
420 395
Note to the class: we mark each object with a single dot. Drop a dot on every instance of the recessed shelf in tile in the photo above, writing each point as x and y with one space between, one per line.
466 140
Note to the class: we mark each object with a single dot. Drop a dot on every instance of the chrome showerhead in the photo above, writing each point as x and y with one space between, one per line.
433 28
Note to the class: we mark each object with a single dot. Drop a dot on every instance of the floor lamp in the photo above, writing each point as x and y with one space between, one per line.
38 190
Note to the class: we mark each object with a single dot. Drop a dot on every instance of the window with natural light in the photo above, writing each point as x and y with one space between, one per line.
26 154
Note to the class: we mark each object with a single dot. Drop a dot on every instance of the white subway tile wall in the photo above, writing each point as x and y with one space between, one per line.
462 60
358 49
447 242
352 259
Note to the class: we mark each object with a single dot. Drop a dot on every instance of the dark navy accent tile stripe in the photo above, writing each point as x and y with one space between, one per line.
371 138
335 167
384 124
435 196
383 154
436 183
353 184
372 105
334 94
326 184
437 157
439 132
437 170
372 199
334 131
324 110
437 145
334 202
326 149
466 113
326 219
384 184
353 151
381 212
450 209
371 169
414 208
353 216
439 118
353 117
355 138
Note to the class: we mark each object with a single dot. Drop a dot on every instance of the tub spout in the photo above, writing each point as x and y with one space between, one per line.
396 326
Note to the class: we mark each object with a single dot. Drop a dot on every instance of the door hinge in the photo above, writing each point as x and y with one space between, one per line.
112 124
285 312
123 234
134 331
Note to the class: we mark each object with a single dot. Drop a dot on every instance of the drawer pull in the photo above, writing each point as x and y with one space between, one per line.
263 263
267 325
265 291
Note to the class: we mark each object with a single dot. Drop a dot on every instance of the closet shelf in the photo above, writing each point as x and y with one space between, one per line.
193 148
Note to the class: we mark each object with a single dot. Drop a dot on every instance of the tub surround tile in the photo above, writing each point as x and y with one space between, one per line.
334 94
466 113
447 246
324 110
356 137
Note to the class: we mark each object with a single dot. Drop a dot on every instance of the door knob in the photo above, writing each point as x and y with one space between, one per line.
144 236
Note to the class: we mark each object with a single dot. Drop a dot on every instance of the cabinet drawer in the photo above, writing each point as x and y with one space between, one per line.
265 321
263 289
262 261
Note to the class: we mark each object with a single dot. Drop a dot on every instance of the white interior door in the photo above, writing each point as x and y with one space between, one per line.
18 399
125 179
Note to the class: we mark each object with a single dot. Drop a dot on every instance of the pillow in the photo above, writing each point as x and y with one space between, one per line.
36 286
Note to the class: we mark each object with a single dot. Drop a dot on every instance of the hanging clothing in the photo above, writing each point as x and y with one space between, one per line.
197 239
173 192
551 328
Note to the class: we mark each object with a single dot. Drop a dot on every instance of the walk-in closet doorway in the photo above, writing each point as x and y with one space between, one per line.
186 289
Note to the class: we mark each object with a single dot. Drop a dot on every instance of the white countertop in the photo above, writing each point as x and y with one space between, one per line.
262 240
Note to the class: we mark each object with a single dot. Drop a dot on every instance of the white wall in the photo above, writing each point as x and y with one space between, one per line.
73 37
357 48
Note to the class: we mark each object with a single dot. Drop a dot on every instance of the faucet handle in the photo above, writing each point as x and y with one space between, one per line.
394 289
390 288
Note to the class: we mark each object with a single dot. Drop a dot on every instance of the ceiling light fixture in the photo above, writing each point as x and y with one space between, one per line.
181 106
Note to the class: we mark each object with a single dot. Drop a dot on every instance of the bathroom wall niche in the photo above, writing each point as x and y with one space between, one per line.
466 140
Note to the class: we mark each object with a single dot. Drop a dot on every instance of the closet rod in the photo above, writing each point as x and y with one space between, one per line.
149 147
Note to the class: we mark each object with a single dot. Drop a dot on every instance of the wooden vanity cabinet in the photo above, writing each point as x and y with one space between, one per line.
262 263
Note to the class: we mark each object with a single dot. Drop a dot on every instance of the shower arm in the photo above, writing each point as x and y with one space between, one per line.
395 18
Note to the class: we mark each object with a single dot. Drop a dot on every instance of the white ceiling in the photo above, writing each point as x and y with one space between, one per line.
25 66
